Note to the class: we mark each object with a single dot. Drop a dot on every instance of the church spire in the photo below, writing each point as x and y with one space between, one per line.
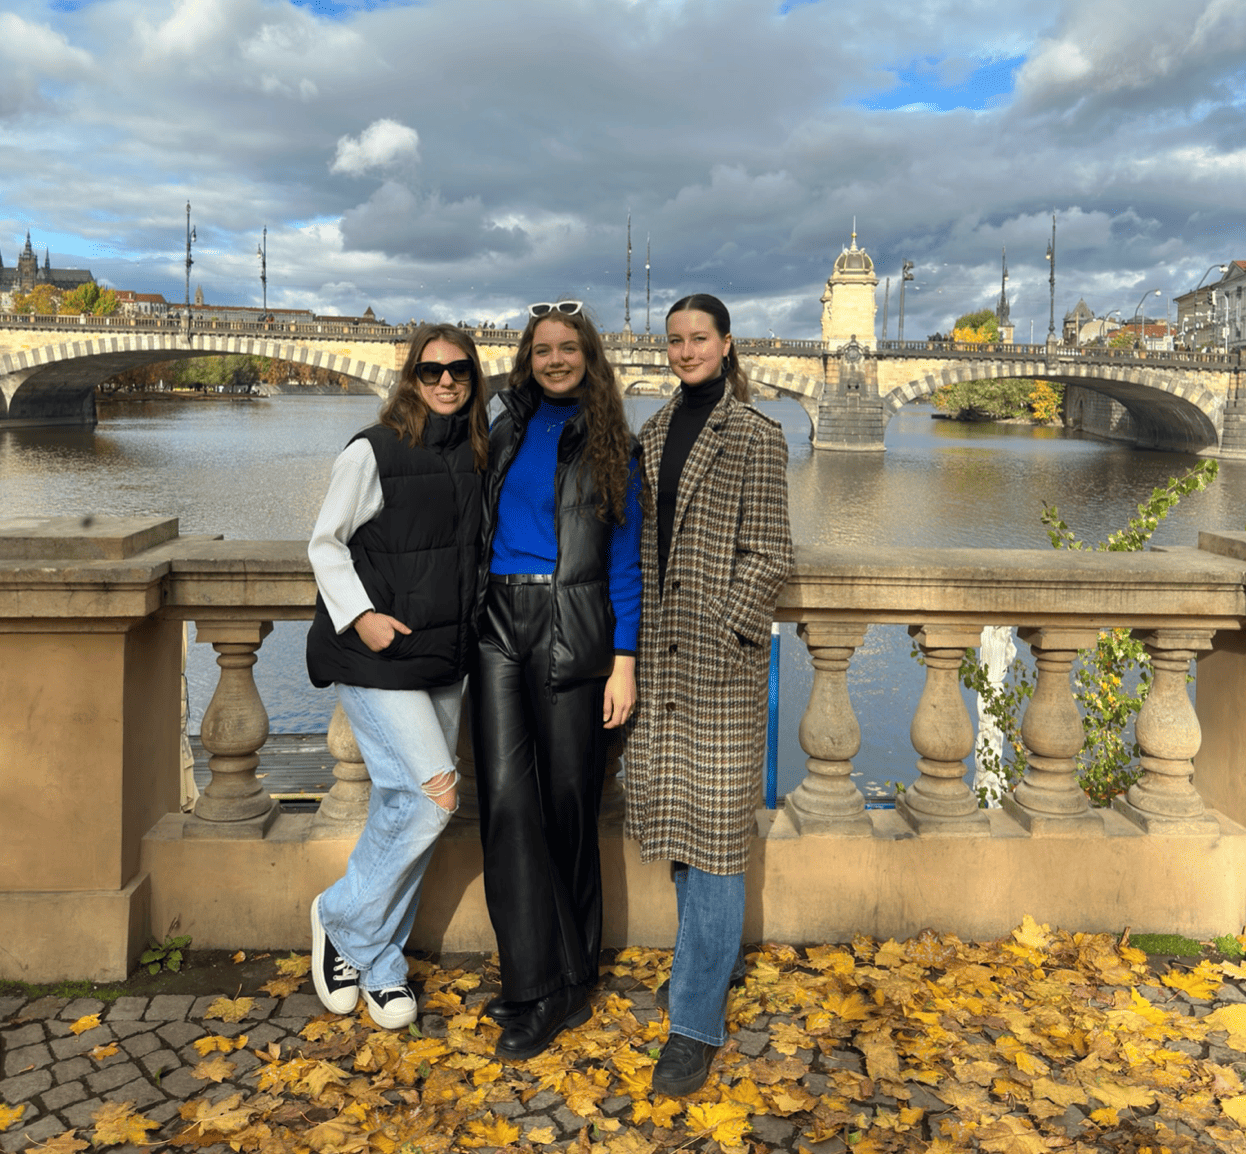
28 251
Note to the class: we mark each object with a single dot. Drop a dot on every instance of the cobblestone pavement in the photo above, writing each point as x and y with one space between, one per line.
49 1069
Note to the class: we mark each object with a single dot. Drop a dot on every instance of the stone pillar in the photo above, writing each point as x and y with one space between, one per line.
940 802
1164 799
346 804
235 725
1049 800
827 801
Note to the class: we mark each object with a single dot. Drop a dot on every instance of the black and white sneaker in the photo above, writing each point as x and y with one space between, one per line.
392 1008
336 980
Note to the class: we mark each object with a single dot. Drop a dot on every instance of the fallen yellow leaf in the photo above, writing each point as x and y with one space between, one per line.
99 1053
230 1009
214 1069
10 1114
82 1025
116 1124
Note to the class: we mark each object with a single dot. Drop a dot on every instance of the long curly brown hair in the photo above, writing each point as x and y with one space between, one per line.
737 378
406 412
609 447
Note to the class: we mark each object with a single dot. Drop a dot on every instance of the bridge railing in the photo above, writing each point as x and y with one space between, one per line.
74 600
207 325
1166 358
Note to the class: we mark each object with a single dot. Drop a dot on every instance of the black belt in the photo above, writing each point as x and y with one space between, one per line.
522 578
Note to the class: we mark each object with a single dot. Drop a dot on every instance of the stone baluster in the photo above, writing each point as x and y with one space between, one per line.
940 801
346 804
1164 799
234 727
827 800
1049 801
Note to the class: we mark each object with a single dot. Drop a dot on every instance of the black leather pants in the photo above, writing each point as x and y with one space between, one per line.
540 761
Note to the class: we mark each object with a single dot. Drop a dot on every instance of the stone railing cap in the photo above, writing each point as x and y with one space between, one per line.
82 538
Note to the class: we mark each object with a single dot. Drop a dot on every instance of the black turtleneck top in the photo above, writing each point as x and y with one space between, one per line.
686 424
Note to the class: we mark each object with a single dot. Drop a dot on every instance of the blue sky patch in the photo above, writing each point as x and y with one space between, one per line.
942 85
341 9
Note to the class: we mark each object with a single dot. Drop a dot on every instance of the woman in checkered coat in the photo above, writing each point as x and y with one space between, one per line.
713 559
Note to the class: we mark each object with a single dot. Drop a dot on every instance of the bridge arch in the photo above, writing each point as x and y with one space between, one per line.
1163 409
58 379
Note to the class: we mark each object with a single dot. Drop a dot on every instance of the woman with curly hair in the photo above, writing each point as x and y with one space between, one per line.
395 554
560 609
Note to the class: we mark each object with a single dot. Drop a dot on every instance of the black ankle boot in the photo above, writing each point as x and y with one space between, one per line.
683 1066
531 1033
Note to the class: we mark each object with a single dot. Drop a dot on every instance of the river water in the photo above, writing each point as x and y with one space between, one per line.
257 469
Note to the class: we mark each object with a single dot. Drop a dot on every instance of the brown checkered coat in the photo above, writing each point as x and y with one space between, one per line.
695 754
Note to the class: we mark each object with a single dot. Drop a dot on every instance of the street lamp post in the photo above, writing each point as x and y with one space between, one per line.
906 274
262 252
1138 336
1051 277
190 237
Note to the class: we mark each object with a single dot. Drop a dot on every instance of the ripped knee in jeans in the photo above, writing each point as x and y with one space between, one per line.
442 789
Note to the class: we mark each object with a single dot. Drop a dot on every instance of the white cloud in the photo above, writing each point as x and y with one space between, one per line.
381 144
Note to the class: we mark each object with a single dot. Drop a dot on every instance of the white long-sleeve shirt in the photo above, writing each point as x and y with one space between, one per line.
353 499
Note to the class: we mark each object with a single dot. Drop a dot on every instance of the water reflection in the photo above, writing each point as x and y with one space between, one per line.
257 469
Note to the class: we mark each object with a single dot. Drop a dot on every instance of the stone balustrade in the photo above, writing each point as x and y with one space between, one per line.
96 853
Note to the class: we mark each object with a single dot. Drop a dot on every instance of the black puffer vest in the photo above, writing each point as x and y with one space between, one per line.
583 618
417 559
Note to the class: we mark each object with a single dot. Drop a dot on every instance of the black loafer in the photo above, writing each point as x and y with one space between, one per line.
683 1066
502 1011
532 1032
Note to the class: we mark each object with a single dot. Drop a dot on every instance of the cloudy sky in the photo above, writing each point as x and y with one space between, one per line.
456 159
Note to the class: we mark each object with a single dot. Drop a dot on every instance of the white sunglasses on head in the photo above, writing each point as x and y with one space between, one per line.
544 308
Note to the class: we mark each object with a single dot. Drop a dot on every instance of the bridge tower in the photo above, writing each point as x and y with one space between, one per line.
850 412
848 304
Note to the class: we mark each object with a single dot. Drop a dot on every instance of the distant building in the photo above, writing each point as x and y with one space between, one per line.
134 304
1214 316
28 274
1074 321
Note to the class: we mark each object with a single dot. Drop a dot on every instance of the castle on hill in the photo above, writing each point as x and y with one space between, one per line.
28 273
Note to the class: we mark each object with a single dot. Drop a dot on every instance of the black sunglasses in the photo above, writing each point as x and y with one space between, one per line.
429 372
544 308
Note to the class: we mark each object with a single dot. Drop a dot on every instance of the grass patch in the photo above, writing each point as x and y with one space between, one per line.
1168 944
81 988
1228 945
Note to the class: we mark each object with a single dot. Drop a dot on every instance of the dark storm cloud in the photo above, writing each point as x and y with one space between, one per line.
456 161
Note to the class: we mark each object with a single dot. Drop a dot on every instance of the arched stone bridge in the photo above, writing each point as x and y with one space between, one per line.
50 366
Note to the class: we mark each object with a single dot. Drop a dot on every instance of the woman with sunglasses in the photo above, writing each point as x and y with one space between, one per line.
714 559
395 553
560 609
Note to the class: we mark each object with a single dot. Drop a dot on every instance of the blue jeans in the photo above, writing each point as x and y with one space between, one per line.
406 737
708 953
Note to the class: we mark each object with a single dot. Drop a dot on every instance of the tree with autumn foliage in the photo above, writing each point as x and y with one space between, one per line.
89 299
44 300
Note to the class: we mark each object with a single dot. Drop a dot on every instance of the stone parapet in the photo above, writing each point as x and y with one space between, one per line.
95 853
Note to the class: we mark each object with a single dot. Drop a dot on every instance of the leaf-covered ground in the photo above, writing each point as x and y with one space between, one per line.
1043 1041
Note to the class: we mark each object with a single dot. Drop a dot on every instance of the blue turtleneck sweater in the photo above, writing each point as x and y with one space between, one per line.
526 539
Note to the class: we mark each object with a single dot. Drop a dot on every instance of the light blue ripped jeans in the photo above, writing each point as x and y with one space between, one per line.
406 738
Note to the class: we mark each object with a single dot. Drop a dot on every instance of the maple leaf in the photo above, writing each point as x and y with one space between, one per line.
881 1059
787 1038
295 966
1235 1108
444 1002
240 956
582 1092
790 1098
1061 1093
214 1042
1200 982
336 1137
489 1072
746 1093
98 1053
541 1136
223 1117
1012 1135
1120 1095
1230 1018
282 987
660 1112
1105 1116
725 1122
1031 935
214 1069
491 1131
9 1115
230 1009
116 1124
82 1025
62 1144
